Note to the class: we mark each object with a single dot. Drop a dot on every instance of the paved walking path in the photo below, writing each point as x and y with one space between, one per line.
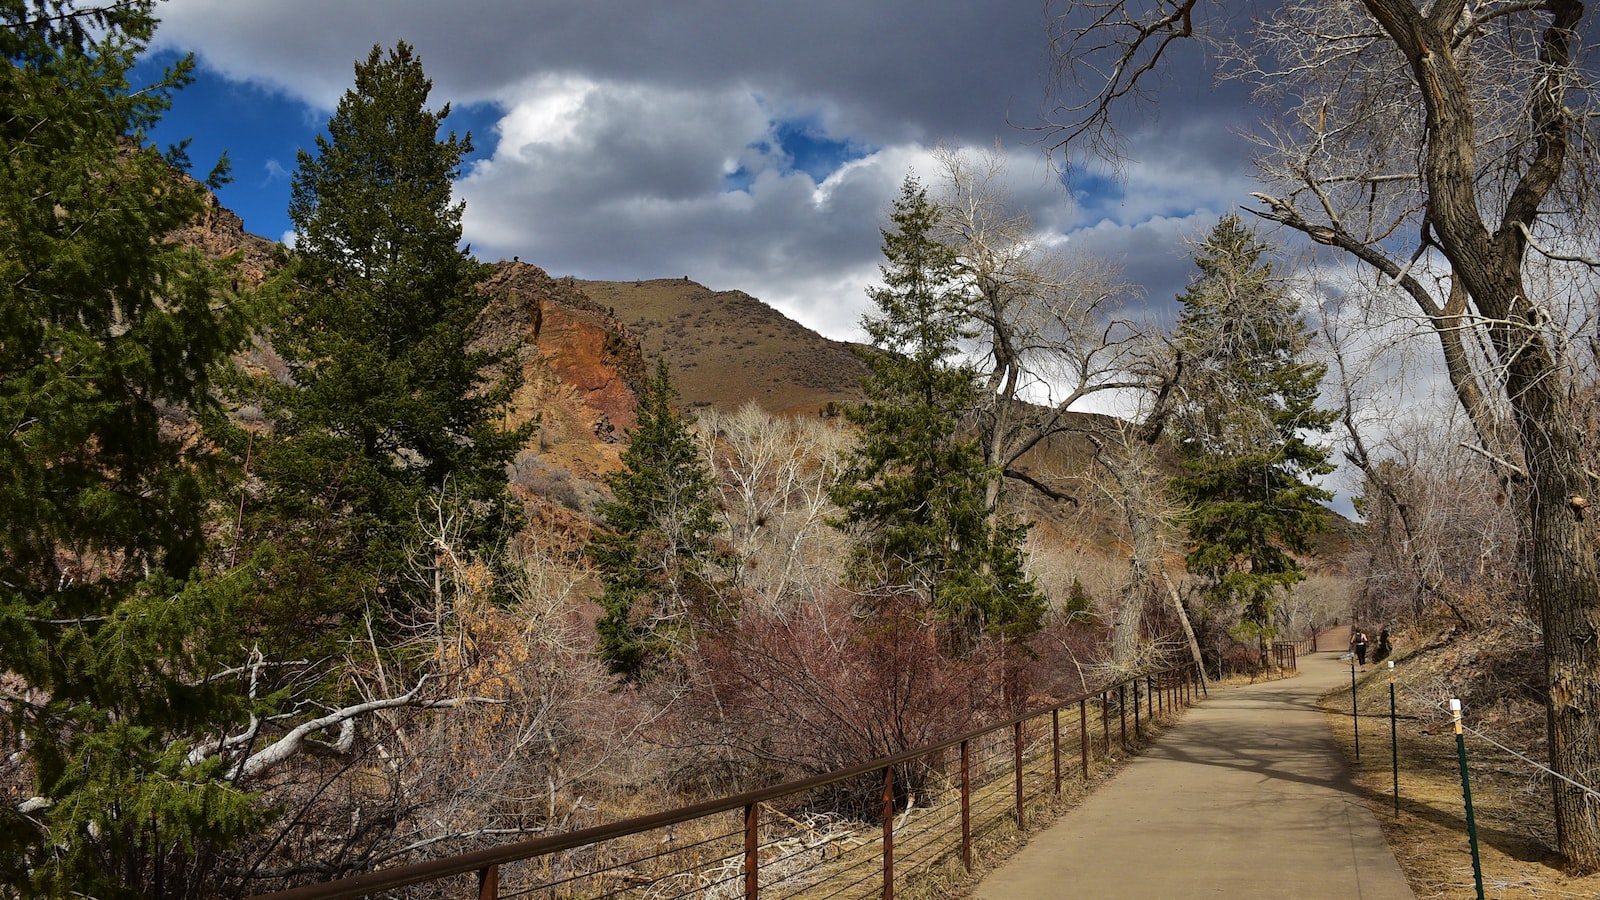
1247 796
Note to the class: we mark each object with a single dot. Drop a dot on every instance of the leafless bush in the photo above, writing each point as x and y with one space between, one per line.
1441 538
773 474
1063 572
532 474
1064 656
538 734
1318 601
833 681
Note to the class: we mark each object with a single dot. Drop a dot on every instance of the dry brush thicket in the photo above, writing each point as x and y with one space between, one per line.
529 733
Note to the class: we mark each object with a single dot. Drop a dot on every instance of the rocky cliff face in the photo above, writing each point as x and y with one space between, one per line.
582 349
219 233
581 368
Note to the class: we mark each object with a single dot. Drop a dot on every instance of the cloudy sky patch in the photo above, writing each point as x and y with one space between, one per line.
754 147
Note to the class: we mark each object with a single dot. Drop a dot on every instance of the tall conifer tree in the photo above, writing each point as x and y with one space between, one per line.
108 333
1246 428
388 400
656 556
912 491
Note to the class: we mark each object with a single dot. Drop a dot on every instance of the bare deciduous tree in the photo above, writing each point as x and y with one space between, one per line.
1136 486
491 717
1049 325
1050 334
772 474
1447 147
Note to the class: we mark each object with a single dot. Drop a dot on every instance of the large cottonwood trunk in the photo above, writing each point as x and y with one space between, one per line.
1562 566
1145 526
1562 573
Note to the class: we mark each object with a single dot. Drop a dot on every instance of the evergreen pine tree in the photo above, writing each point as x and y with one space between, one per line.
912 491
108 333
656 556
389 401
1245 429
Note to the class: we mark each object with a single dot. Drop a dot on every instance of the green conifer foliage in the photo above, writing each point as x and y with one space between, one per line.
1245 429
108 334
912 491
656 557
389 400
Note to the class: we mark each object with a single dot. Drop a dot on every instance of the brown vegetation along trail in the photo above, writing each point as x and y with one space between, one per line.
1247 796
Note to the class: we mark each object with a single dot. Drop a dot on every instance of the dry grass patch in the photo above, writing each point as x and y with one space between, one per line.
1511 800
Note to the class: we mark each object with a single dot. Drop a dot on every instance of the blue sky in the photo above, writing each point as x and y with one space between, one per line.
261 129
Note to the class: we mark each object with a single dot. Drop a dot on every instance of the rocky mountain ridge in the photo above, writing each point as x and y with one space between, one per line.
585 347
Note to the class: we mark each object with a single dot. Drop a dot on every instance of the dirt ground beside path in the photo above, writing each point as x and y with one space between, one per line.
1429 836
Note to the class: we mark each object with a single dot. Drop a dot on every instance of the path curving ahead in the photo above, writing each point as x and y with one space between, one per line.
1247 796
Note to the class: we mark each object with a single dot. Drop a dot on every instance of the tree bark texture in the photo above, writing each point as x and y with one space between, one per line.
1130 469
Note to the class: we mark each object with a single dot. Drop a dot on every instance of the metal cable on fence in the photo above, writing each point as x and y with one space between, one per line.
932 831
1439 707
862 880
702 886
804 886
621 864
821 862
1531 762
685 848
927 851
575 877
793 875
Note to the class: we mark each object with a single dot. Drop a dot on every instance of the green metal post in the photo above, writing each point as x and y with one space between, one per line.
1394 741
1355 714
1466 795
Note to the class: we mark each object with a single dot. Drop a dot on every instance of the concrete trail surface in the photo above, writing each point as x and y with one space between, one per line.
1246 797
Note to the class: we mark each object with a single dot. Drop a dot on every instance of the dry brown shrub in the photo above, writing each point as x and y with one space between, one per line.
835 681
532 734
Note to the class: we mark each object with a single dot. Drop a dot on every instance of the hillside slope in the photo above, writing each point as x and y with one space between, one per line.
726 347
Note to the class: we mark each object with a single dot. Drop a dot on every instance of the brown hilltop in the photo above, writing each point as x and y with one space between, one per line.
726 347
585 346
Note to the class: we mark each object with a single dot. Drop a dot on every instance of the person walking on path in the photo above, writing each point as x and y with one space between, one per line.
1358 644
1246 796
